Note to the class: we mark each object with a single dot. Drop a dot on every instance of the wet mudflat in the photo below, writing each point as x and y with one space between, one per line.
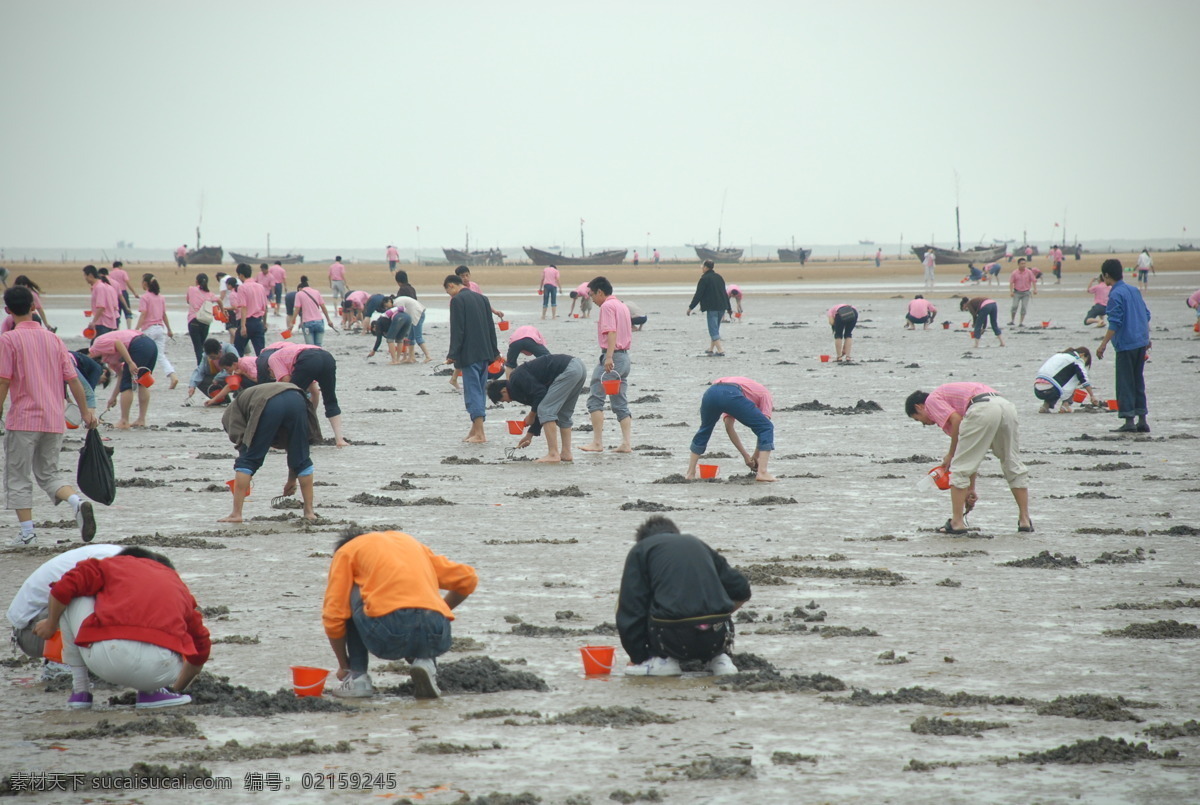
1048 668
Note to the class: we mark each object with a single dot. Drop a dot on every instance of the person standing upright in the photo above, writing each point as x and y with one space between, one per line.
119 278
1145 265
337 278
278 276
393 257
1129 332
1056 259
106 305
181 257
252 313
472 347
929 261
711 297
614 328
549 290
878 257
1022 284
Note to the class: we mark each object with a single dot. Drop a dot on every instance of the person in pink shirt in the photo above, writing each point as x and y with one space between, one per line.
155 323
337 278
39 314
1022 284
735 295
842 319
737 399
352 309
657 257
105 302
252 312
920 311
1098 312
34 365
464 273
311 312
393 257
548 288
1056 257
181 257
983 311
128 352
976 419
1193 302
200 302
119 277
614 331
245 369
581 294
305 364
278 283
525 340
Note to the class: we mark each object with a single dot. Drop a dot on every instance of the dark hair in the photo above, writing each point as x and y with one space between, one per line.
19 300
1020 260
212 347
347 534
221 274
103 271
462 270
401 277
452 279
280 262
494 389
90 271
1111 268
263 267
574 294
303 282
230 281
919 296
202 282
139 552
338 258
914 399
1081 352
151 283
962 303
28 283
708 264
655 524
117 264
243 270
600 284
227 359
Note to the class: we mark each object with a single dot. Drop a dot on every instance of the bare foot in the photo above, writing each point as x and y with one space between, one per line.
122 425
476 439
691 476
567 458
764 476
139 423
548 460
341 443
312 517
174 381
230 519
592 448
396 363
624 448
427 360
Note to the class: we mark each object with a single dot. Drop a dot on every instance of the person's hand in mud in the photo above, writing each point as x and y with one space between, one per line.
972 499
751 461
289 488
526 440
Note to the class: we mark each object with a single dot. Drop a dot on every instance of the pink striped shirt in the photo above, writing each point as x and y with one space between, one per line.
254 297
337 272
308 303
919 308
248 366
755 392
614 317
278 274
36 364
264 279
283 360
527 331
829 314
155 308
1021 280
119 278
952 398
357 299
474 286
105 346
105 296
196 299
582 290
550 276
1100 292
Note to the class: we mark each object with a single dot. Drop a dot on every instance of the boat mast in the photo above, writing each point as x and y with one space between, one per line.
268 244
467 246
957 220
721 222
582 251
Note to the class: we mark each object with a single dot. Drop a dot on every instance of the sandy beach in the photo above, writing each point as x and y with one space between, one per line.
883 662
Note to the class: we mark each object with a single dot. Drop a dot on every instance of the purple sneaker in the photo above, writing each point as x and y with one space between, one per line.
80 701
160 698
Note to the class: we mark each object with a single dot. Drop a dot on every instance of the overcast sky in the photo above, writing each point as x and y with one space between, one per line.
352 124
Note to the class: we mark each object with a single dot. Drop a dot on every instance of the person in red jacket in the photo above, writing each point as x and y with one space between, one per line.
131 621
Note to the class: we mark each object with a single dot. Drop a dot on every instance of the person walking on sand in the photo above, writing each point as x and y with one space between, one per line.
550 385
976 419
200 303
525 340
382 598
1145 267
472 347
929 261
1022 284
181 257
982 310
920 311
272 415
393 257
710 296
278 284
119 278
842 319
737 399
1060 375
252 313
676 603
106 305
1129 332
154 322
1099 310
337 278
614 328
309 308
549 290
878 257
127 352
34 365
1056 259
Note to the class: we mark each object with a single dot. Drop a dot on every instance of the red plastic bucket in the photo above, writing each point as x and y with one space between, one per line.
502 324
308 681
940 476
53 648
597 660
233 483
233 382
495 366
516 426
145 378
1079 396
1113 405
945 325
285 335
709 470
89 332
1045 324
612 385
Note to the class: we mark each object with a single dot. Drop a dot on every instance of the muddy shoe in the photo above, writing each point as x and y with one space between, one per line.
355 687
721 665
80 701
655 666
424 679
22 540
85 518
150 700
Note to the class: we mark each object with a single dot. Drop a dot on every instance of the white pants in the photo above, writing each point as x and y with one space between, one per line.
128 663
158 334
929 275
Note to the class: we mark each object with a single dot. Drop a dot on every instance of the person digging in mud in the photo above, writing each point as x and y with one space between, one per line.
742 400
382 598
982 310
842 319
130 620
614 328
310 368
676 602
525 340
975 418
265 416
550 385
127 352
472 347
1060 375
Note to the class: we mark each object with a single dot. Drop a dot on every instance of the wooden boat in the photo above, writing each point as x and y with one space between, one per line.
976 254
491 257
717 255
794 255
1187 247
206 256
612 257
269 259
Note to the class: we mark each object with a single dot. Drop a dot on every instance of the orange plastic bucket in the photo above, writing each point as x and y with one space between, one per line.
308 681
495 366
1079 396
89 332
597 660
285 335
145 378
945 325
516 426
940 476
53 648
87 313
233 382
502 324
708 470
824 359
1113 405
966 325
233 483
612 385
1045 324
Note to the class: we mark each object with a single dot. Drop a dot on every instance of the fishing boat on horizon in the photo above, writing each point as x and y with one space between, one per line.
794 255
479 257
717 255
283 259
205 256
976 254
540 257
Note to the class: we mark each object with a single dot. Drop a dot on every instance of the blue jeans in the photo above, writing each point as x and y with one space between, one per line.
727 398
286 413
474 383
981 321
714 323
549 296
144 352
313 332
596 395
418 330
400 634
254 335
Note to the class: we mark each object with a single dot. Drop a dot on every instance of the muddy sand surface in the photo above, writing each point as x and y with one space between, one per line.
881 661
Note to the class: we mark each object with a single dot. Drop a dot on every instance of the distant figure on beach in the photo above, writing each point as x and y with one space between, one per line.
382 598
1022 284
974 274
1097 312
1060 375
1145 266
1193 302
614 331
581 294
1129 332
842 319
472 347
337 278
525 340
676 603
992 270
181 257
710 296
976 419
1008 254
393 257
278 282
920 311
1056 260
657 256
878 257
929 261
548 288
1078 251
1028 252
154 322
119 278
736 399
735 295
4 277
983 311
635 257
550 386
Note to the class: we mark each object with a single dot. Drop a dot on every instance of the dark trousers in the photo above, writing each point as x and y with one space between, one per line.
693 639
1131 382
285 413
318 365
844 321
254 336
403 633
986 314
198 332
144 352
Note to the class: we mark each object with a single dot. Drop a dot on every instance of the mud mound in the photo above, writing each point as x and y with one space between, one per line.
538 541
1096 750
815 405
215 612
365 499
611 717
948 582
844 631
231 751
861 407
648 398
770 681
940 726
159 541
762 575
745 661
1092 707
532 630
183 778
479 675
462 461
453 749
932 696
1112 532
791 758
566 492
1158 630
646 506
386 388
139 483
213 696
1045 561
913 459
625 798
500 712
1180 531
1121 557
1178 603
214 456
676 478
1165 732
167 727
771 500
872 575
719 768
1117 467
396 486
239 640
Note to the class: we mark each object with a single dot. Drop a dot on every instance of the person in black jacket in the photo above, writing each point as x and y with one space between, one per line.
711 297
677 596
472 347
551 386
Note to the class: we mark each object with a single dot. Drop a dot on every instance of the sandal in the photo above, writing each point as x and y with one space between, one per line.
1025 529
949 528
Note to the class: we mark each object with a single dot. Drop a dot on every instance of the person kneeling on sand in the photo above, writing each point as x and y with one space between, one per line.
382 599
265 416
550 385
677 596
743 400
131 621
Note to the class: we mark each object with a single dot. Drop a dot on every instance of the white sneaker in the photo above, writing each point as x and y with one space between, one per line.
22 540
655 666
355 687
721 665
424 678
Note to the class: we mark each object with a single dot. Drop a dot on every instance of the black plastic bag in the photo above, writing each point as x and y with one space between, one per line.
96 477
